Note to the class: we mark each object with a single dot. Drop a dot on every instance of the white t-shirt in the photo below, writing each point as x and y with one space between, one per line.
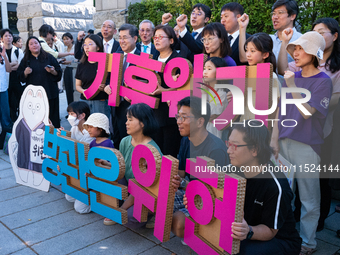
81 136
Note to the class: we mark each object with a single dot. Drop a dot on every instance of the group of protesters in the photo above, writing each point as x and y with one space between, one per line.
310 61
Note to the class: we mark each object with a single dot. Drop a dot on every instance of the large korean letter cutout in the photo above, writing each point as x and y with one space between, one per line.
83 177
213 204
152 188
26 144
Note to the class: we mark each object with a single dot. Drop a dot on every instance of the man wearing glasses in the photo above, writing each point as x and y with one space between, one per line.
146 28
268 225
196 141
284 14
200 15
128 35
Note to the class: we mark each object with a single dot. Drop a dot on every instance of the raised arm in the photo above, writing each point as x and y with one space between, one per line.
282 61
243 22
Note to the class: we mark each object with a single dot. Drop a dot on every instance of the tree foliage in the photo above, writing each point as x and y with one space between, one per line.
258 11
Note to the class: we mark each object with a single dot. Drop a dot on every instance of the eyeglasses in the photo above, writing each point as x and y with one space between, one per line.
124 38
196 14
148 31
234 146
324 32
89 45
207 40
156 38
279 13
182 118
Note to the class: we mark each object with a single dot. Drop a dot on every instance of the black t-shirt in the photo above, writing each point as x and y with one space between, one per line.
9 54
86 72
268 201
212 147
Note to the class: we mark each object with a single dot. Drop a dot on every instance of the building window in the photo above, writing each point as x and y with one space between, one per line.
12 17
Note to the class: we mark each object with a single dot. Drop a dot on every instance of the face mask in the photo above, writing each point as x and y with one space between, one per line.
73 120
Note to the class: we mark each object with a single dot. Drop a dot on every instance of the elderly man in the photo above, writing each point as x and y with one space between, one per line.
146 28
108 30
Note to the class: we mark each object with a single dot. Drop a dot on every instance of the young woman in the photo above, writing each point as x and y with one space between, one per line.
86 73
17 42
140 125
209 78
301 144
167 137
42 69
68 77
216 43
330 64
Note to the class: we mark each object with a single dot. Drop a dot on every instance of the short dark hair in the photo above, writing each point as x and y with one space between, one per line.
98 41
204 8
79 107
90 31
69 35
133 30
291 6
103 133
169 31
257 137
45 29
16 39
234 7
195 107
218 62
144 114
3 32
218 29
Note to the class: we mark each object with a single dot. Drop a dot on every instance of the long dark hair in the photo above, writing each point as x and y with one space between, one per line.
264 43
218 29
99 43
333 62
28 53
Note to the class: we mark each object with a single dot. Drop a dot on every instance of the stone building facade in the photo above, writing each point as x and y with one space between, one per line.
63 15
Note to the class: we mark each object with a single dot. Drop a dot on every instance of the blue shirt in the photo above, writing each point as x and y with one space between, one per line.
277 43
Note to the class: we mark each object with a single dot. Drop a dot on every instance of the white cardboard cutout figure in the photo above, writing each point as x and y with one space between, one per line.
26 144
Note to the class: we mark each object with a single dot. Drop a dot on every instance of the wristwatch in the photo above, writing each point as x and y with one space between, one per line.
250 233
183 183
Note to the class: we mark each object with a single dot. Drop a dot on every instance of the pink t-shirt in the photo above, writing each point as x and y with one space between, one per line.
335 77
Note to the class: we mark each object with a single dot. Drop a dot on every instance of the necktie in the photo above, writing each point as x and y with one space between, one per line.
230 37
145 48
194 34
125 64
106 47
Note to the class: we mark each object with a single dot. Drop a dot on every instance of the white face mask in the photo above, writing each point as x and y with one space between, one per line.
73 120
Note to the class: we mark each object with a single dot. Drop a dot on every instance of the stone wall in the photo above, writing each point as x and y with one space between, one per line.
63 15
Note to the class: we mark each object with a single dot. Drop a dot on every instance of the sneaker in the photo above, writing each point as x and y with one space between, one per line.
182 241
151 222
109 222
307 251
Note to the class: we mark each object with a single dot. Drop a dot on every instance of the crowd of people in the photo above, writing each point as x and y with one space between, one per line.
310 61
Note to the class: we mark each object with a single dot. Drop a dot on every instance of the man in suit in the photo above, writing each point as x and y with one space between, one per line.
200 15
108 30
230 12
128 35
146 28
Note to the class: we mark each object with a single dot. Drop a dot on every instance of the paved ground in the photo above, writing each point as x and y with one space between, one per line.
36 222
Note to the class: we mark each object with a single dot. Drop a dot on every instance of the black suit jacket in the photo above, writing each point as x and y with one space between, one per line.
154 52
194 45
78 48
235 51
118 115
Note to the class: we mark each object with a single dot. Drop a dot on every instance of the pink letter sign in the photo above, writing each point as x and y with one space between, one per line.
102 59
152 189
213 207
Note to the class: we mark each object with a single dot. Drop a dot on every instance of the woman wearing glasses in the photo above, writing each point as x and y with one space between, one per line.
216 43
86 73
167 137
330 64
